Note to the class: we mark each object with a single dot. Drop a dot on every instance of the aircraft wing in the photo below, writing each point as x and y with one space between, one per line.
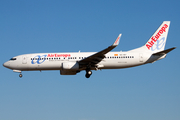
97 57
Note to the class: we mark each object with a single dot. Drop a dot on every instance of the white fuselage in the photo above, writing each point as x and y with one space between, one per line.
54 61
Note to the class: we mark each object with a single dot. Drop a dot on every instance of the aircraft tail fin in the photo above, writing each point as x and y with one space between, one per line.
157 41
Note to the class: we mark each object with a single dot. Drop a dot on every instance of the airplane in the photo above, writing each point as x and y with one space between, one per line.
74 62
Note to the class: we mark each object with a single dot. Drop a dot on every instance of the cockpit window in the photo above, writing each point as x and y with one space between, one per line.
13 59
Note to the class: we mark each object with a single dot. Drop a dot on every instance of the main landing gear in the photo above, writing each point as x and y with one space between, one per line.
88 73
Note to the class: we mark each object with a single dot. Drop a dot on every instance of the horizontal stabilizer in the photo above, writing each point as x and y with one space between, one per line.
164 51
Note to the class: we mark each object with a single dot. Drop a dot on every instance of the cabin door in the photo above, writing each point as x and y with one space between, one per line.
24 60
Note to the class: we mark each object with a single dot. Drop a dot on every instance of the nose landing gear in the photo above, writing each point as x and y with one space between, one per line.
18 71
20 75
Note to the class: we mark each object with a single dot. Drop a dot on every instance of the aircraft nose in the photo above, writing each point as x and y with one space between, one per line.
6 64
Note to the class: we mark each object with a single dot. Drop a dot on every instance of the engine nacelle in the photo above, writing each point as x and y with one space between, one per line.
70 66
67 72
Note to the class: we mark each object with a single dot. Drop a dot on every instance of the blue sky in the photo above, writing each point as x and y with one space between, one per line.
33 26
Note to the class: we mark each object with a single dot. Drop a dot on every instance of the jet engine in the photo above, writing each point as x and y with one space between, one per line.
70 66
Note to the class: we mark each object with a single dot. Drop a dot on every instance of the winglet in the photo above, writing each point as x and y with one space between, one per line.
117 40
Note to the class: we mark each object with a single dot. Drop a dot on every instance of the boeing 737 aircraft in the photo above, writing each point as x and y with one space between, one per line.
73 63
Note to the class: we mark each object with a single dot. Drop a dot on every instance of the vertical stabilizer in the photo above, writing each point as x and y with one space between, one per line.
157 41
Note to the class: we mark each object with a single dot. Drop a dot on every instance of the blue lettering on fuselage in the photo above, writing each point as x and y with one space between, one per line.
38 59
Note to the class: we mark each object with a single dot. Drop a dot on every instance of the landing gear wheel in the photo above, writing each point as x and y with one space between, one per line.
20 75
88 73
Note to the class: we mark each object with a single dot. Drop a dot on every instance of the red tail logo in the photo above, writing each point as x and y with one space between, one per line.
156 37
